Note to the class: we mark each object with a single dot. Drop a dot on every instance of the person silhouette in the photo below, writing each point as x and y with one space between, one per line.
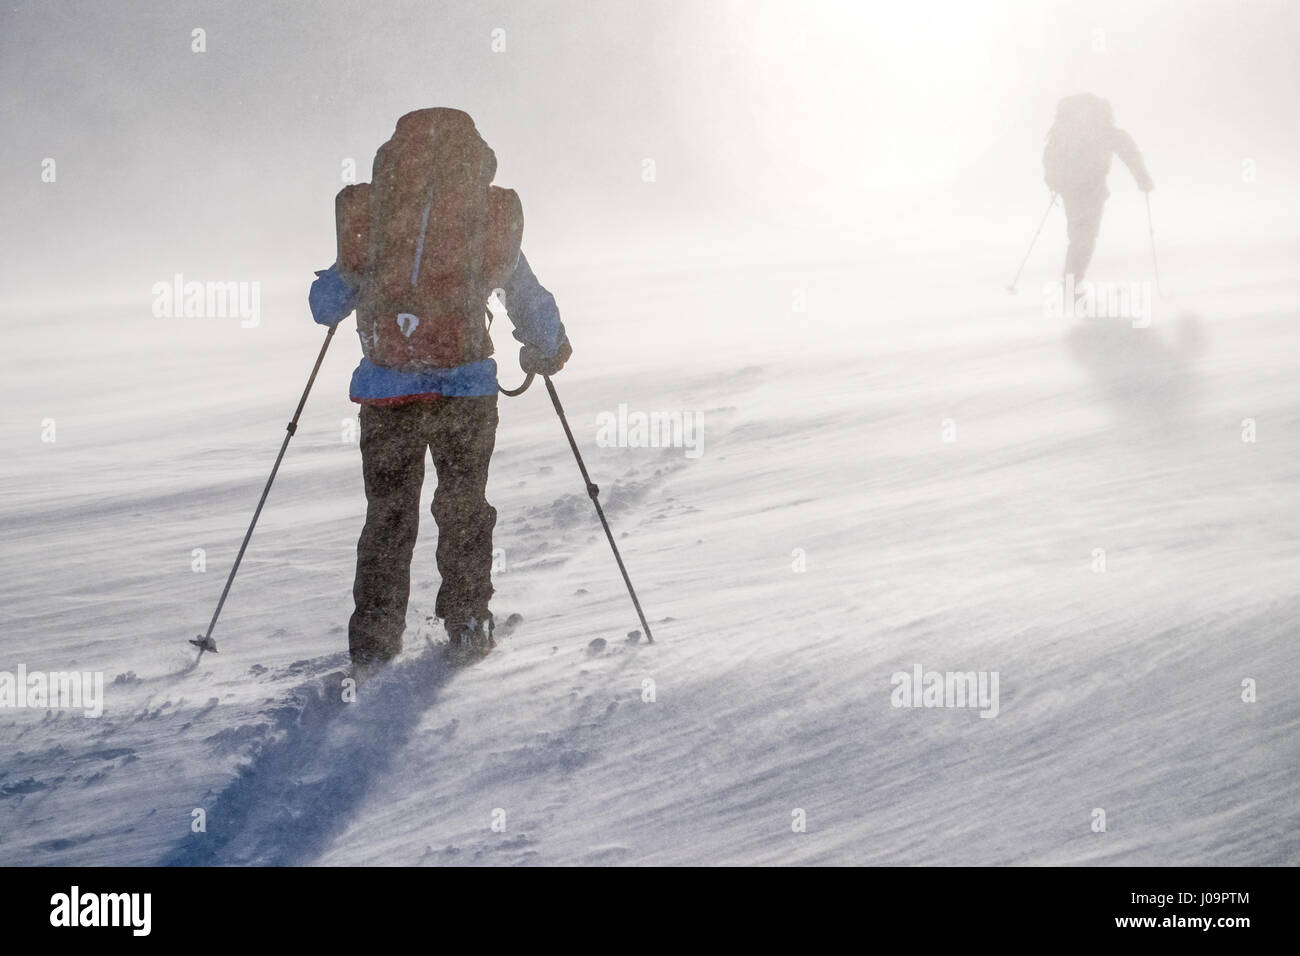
421 249
1076 161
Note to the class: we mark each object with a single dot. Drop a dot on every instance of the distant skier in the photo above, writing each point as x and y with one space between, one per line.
420 250
1075 163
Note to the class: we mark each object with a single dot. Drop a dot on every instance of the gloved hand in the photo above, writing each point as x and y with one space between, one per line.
1146 185
533 361
332 298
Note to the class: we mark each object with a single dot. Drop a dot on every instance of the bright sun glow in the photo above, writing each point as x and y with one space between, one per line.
885 99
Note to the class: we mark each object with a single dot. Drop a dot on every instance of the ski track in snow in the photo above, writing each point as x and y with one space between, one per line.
772 688
289 792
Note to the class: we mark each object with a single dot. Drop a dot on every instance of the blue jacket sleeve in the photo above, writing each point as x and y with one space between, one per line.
533 311
332 297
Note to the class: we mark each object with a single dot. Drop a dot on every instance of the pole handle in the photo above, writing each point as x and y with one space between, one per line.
513 392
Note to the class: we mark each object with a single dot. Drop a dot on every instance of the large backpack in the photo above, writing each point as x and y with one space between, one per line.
429 238
1077 154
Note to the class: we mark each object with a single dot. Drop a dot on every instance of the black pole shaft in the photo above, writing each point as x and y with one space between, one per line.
290 429
593 491
1034 241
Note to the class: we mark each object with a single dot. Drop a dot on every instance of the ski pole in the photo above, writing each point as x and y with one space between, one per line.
593 491
204 642
1050 203
1151 231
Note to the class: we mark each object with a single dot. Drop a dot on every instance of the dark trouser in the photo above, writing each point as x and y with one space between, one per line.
460 433
1083 222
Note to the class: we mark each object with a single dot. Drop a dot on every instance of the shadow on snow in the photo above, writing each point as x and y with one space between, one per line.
305 783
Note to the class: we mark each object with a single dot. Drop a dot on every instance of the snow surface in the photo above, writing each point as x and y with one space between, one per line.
823 432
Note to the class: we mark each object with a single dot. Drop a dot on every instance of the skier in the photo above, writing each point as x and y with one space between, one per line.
1075 163
420 250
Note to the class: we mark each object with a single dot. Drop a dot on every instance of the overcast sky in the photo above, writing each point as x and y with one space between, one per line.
763 119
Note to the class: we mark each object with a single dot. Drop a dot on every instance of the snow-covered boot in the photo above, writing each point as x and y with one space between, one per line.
469 639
